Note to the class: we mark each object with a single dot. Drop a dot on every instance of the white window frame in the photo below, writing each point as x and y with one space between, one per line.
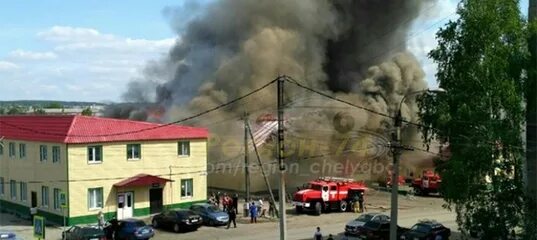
56 198
131 151
23 191
93 195
43 153
22 150
93 149
11 150
44 196
185 183
183 146
13 189
2 184
56 154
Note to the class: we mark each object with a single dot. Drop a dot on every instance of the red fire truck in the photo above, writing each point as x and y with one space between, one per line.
326 194
429 182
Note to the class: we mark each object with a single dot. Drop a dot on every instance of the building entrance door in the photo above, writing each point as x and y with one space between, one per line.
34 199
125 205
155 200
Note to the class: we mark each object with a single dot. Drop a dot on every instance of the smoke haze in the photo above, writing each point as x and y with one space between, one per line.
353 48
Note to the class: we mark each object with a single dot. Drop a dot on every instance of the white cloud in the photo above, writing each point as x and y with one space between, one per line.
29 55
88 65
422 39
7 66
68 34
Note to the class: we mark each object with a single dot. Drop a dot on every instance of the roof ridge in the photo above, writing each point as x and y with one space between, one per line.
71 126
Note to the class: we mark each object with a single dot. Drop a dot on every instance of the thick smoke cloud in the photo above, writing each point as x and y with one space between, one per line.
353 48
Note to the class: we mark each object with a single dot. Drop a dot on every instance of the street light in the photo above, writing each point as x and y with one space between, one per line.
396 147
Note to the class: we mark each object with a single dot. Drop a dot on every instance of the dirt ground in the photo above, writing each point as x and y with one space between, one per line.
301 226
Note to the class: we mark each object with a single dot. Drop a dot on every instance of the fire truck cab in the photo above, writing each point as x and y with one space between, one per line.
327 194
429 182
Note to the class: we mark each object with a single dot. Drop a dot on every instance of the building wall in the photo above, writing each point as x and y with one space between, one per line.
35 174
157 158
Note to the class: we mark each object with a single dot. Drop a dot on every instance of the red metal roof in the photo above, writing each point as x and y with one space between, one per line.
85 129
141 180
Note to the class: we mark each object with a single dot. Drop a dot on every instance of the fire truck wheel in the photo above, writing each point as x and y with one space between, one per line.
418 191
343 206
318 208
298 209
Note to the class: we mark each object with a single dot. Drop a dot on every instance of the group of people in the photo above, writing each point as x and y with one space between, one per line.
319 236
359 203
227 202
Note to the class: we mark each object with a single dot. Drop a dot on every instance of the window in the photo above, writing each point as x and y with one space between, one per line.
13 189
23 190
22 150
44 196
1 186
43 153
95 154
55 154
12 150
95 198
134 152
186 187
1 149
56 199
183 148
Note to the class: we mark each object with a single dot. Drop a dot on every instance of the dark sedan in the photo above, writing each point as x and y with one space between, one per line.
427 230
377 230
211 215
178 220
129 229
83 233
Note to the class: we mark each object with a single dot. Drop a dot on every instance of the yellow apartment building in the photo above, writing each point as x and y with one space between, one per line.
120 167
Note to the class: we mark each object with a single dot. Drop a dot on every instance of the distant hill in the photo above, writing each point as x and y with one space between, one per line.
43 103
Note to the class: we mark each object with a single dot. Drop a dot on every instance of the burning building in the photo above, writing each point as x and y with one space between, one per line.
353 49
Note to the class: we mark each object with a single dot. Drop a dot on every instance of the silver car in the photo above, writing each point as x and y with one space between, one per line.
352 227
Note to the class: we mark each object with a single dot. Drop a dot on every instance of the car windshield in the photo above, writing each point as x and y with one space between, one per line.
137 224
372 224
315 187
213 209
421 228
364 218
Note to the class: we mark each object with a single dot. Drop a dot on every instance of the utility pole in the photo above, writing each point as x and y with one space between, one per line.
281 149
246 162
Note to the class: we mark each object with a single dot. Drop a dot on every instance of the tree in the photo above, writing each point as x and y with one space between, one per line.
54 105
39 110
87 112
481 60
15 110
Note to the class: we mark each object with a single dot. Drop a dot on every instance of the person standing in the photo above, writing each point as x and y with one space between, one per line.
232 216
236 203
330 237
361 201
272 209
318 235
253 212
100 220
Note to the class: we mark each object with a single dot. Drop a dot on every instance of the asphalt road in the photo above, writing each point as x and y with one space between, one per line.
299 226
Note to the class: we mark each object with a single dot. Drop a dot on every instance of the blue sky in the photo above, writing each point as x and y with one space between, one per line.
89 50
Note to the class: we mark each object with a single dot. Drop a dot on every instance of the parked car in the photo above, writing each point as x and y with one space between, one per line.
178 220
8 236
352 227
84 233
128 229
426 230
211 214
378 230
